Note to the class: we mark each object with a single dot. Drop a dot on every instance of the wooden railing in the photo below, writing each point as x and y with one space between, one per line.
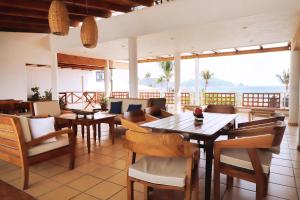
121 95
185 98
261 100
79 97
219 98
147 95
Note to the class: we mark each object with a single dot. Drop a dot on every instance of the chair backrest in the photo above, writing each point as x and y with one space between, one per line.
275 117
12 146
158 144
158 102
135 116
127 101
46 108
226 109
133 126
278 132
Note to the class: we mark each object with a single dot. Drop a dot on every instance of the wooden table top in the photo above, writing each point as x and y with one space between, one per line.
97 116
184 122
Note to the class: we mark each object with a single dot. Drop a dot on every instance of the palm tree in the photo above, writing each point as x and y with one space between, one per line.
284 79
167 68
160 80
206 75
148 75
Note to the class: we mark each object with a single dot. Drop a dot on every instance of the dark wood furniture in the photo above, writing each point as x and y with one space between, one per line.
228 109
91 120
169 147
12 106
208 132
157 108
251 146
15 150
8 192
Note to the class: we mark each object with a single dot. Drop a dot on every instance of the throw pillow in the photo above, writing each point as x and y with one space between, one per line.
116 107
42 126
134 107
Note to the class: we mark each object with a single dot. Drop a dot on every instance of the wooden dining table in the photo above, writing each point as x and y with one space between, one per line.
208 132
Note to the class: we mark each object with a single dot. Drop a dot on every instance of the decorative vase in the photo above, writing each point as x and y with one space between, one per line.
198 117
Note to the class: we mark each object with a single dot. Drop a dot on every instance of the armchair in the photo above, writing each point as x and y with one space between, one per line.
168 163
157 108
19 148
247 157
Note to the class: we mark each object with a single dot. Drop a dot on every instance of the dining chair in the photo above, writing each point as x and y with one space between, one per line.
247 156
17 146
157 108
168 162
226 109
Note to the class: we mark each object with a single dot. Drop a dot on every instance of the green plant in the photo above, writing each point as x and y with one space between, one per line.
36 94
103 101
284 79
167 68
206 75
48 94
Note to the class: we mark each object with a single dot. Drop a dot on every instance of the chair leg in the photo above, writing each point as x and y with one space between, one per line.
259 191
216 183
99 132
25 173
82 131
188 192
229 182
266 180
146 192
129 189
94 132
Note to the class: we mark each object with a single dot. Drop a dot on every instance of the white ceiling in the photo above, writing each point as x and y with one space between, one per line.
191 26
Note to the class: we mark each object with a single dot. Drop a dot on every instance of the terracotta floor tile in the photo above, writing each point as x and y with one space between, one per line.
11 175
83 196
42 187
282 170
103 159
282 191
282 180
120 178
33 178
118 164
85 182
122 195
88 167
52 171
104 172
104 190
67 176
238 193
61 193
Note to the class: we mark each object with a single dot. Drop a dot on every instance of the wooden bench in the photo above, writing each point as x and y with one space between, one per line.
261 112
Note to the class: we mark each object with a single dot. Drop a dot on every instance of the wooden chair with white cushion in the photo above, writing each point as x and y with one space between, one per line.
168 162
247 157
51 108
19 147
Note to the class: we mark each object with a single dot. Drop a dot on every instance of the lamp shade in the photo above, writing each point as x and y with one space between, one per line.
89 32
58 18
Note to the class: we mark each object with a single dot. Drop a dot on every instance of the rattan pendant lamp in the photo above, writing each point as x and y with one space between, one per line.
89 32
58 17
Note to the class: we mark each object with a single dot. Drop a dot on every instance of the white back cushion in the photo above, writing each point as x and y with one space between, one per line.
46 108
126 102
42 126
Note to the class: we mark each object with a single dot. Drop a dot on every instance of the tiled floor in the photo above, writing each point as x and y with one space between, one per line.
101 175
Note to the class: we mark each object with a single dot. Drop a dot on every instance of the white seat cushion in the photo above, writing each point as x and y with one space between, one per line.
165 171
46 108
240 158
61 141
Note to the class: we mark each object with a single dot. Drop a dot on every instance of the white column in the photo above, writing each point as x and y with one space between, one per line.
294 88
107 86
54 66
133 67
197 83
177 91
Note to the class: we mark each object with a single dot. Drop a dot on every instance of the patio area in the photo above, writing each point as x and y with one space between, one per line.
101 174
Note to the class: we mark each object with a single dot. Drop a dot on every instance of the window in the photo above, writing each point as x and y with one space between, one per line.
99 76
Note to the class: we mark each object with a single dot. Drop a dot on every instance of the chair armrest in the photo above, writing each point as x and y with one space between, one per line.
261 141
166 114
150 118
66 111
190 149
41 139
251 131
39 116
257 122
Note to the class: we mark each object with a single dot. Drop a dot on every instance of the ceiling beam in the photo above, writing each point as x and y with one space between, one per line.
74 20
23 20
295 43
73 9
234 53
144 2
99 5
21 27
80 60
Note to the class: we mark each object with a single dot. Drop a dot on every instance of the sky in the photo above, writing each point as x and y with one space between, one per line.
251 69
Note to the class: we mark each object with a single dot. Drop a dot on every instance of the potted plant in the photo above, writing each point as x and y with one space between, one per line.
48 94
103 103
36 94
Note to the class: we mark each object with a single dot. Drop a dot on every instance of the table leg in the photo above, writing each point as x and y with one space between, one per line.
208 168
94 132
74 128
99 132
112 132
88 139
82 131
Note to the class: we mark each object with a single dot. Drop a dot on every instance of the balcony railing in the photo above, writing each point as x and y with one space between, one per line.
246 100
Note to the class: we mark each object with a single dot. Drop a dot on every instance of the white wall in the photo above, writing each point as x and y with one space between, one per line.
16 50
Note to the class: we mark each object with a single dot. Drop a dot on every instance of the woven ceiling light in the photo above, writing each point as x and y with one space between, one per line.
89 32
58 18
